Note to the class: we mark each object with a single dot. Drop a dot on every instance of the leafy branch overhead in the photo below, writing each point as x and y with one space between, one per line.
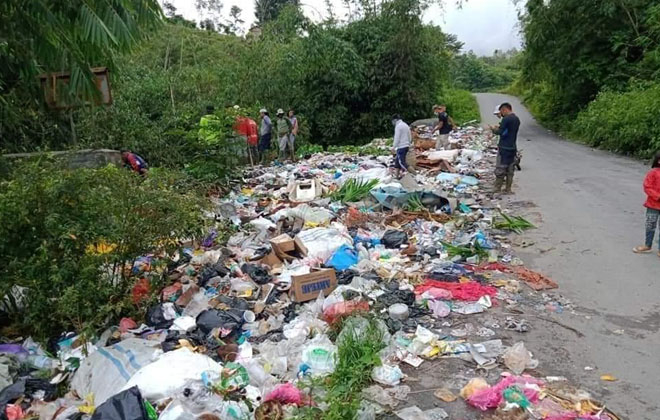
73 35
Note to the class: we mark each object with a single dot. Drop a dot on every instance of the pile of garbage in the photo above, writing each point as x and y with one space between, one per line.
321 245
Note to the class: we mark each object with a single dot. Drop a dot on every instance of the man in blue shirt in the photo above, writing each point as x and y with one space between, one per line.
506 148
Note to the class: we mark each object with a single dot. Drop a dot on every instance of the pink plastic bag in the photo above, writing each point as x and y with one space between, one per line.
126 324
492 397
286 394
339 310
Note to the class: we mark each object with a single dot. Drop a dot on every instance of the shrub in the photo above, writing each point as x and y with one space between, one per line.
625 122
462 106
69 237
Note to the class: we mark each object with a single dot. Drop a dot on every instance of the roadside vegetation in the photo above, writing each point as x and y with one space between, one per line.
590 70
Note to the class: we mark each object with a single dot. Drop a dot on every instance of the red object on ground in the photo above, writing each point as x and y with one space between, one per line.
140 290
536 281
341 309
286 394
494 266
172 292
470 291
248 128
127 324
14 412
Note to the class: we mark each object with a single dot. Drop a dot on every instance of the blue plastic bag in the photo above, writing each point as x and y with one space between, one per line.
344 258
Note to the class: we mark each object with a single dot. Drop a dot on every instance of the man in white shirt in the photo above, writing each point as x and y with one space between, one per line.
402 142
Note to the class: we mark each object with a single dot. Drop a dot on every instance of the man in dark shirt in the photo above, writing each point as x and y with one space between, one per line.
506 148
443 127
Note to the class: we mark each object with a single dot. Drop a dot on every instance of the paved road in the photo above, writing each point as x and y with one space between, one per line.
589 204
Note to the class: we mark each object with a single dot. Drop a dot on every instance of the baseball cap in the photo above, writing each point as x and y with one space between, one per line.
263 110
280 111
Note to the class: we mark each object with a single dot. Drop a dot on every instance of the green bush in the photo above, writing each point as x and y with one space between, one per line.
70 237
462 106
624 122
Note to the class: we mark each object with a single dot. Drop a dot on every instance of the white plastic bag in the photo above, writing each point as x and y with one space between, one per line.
518 358
170 372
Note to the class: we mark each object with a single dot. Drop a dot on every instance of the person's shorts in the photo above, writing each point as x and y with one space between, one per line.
285 140
400 158
264 142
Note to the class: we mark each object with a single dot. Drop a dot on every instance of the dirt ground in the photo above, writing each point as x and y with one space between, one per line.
587 205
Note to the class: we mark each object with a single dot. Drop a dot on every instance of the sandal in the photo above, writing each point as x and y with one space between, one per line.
642 250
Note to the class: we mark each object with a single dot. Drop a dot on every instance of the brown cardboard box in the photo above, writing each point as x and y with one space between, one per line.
308 286
271 260
285 247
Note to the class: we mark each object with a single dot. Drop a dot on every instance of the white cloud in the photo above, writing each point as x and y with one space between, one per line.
483 25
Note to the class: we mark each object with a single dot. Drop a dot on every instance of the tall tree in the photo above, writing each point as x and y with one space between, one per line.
73 35
268 10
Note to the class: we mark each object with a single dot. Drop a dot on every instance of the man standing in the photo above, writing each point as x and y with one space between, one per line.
294 132
264 140
443 127
401 145
506 148
283 133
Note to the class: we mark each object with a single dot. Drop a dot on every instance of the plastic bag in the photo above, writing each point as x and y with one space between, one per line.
320 355
107 370
439 308
517 358
286 394
140 290
343 309
127 405
162 316
492 397
387 375
258 273
344 258
214 318
394 238
170 372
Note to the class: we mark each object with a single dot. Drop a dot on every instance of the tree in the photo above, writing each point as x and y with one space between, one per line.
575 48
74 35
268 10
233 25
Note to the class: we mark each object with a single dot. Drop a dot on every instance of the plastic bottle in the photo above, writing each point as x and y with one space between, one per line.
41 362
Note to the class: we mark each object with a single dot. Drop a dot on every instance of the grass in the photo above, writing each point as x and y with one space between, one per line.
357 354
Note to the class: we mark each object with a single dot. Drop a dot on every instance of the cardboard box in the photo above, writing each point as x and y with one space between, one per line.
287 248
271 260
308 286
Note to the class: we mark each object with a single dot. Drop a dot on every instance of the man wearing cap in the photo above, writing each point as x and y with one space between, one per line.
443 127
266 129
284 134
401 145
506 148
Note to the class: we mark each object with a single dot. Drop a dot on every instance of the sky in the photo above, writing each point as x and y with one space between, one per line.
482 25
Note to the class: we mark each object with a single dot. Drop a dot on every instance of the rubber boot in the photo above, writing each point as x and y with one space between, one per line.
497 188
509 184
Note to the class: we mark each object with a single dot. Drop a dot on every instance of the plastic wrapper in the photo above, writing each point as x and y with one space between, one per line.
517 358
488 397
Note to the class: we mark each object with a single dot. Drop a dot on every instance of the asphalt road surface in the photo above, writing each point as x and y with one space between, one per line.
588 207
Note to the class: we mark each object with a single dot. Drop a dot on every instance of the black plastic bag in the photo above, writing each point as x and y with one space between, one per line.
160 316
209 271
394 238
214 318
127 405
258 273
346 276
